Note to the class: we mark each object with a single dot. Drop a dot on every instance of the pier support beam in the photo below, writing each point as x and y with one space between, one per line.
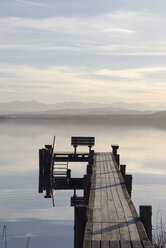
80 219
145 213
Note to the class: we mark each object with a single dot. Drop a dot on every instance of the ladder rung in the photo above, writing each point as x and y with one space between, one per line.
60 164
61 168
60 173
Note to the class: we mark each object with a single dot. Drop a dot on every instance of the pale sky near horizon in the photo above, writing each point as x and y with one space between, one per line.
90 51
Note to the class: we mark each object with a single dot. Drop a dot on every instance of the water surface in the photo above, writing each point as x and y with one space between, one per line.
26 213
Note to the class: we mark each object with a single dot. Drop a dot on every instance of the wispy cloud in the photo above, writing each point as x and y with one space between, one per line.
36 4
81 83
116 33
136 73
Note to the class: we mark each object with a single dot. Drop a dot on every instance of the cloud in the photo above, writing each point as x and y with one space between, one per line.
80 83
115 33
136 73
36 4
72 24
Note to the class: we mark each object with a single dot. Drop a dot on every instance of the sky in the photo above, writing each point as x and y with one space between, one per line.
90 51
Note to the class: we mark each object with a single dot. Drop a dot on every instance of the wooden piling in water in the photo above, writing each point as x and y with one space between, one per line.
145 213
87 185
123 169
80 219
128 182
116 156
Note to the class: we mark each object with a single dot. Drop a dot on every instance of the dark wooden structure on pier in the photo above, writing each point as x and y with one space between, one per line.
105 216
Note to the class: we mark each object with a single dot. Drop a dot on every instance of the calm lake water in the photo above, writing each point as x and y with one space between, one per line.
27 214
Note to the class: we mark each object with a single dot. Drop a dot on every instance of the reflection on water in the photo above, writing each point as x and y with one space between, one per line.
24 211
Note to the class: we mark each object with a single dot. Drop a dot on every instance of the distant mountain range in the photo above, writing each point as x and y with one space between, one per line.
34 109
34 106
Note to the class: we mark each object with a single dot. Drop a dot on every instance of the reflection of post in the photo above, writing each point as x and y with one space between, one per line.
79 225
28 239
41 170
4 236
48 156
145 213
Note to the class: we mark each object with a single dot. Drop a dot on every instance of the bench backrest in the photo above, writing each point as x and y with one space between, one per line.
83 141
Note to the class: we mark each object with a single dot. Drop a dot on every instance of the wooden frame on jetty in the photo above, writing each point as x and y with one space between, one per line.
105 217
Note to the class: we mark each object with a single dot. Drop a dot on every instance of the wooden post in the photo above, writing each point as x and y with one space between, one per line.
145 213
128 183
116 156
123 169
87 185
90 163
79 225
75 150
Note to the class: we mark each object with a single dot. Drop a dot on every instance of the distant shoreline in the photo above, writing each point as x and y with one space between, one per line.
155 116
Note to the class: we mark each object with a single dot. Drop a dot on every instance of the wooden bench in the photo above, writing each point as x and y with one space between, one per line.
82 141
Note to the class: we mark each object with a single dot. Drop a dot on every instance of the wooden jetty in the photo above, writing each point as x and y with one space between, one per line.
105 216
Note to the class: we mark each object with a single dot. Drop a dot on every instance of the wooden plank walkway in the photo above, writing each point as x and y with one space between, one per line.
112 220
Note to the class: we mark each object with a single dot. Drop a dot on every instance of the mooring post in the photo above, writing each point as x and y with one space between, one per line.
123 169
116 156
145 213
128 182
80 218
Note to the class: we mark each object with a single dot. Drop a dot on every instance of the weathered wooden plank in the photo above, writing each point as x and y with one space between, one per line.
104 198
90 214
96 243
97 215
88 231
125 244
87 244
119 212
96 234
147 244
105 231
111 204
114 244
97 201
136 244
127 211
105 244
123 227
110 231
113 187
